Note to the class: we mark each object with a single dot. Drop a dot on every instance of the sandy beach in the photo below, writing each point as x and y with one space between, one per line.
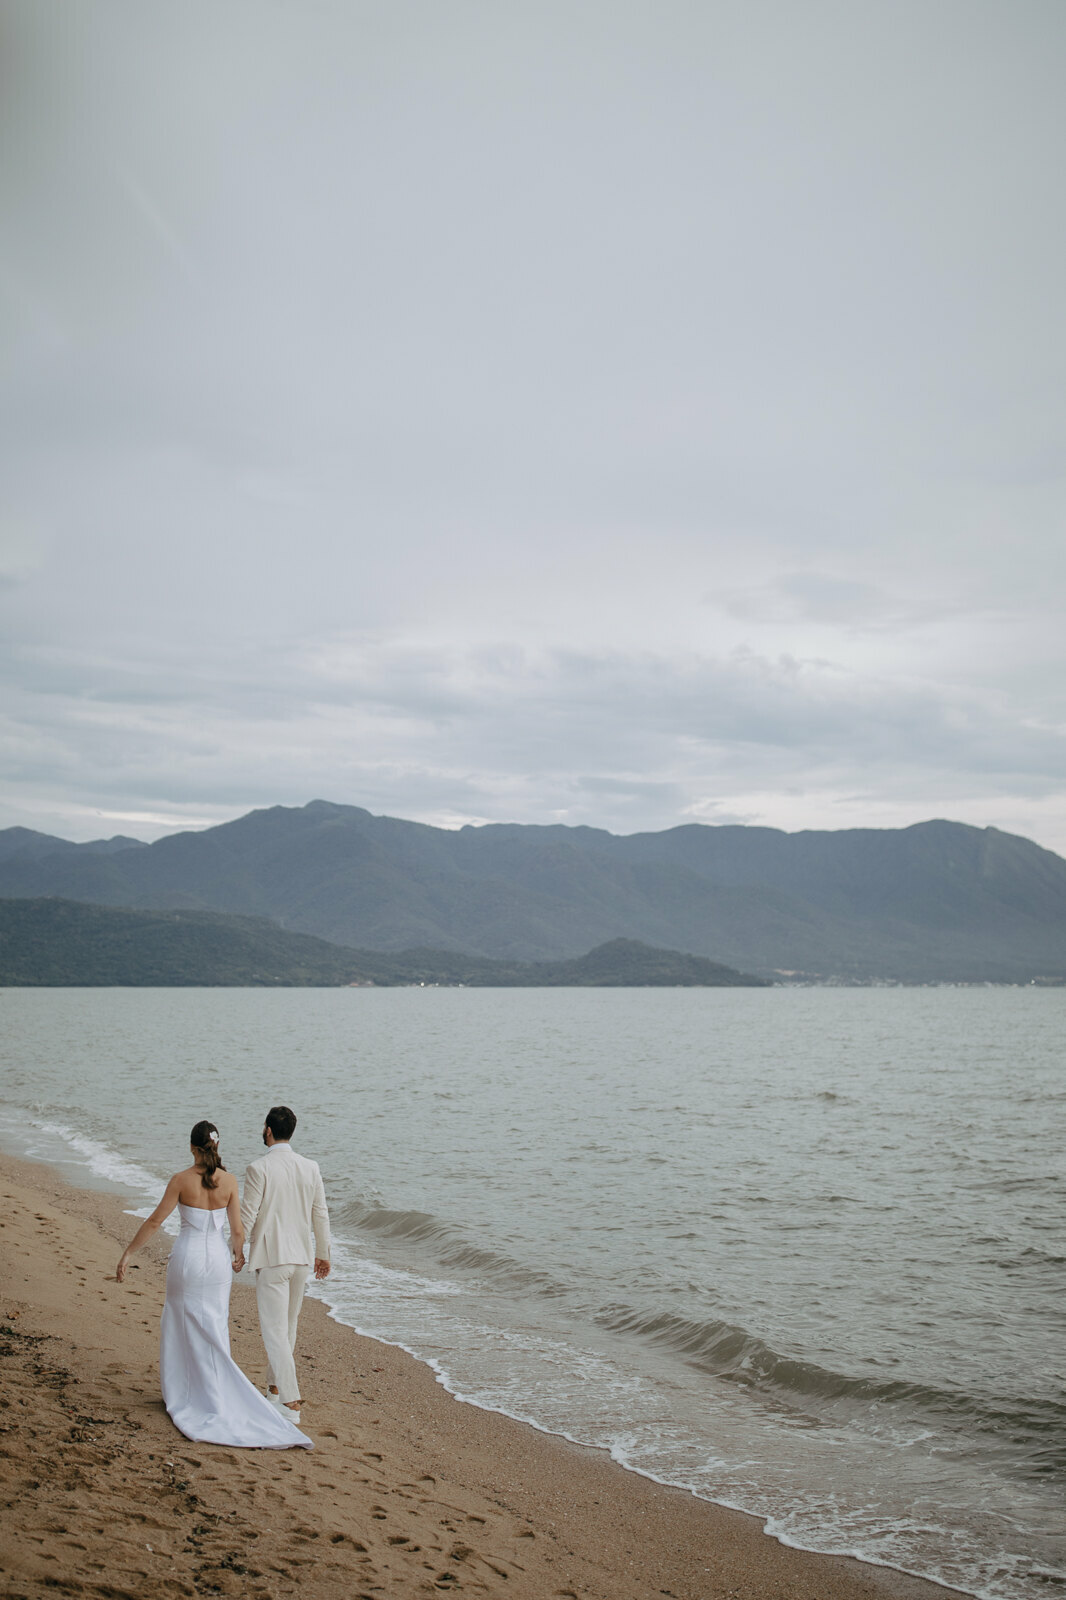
407 1492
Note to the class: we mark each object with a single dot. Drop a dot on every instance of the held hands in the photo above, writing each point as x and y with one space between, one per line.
321 1268
238 1260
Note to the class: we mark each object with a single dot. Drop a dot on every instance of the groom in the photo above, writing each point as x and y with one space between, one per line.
283 1206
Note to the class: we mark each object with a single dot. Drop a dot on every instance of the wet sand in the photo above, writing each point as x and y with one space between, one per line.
407 1492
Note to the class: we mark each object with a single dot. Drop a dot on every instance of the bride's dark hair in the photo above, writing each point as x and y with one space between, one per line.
204 1140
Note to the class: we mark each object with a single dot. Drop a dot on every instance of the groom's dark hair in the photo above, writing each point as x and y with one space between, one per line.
281 1122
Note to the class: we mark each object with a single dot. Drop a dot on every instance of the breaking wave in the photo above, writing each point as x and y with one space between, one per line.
450 1247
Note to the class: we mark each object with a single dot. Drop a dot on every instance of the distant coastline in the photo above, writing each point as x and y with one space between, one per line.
65 943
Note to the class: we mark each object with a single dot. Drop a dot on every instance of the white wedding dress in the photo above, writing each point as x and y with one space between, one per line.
206 1393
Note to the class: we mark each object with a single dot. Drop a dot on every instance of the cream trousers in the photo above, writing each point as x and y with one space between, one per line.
279 1293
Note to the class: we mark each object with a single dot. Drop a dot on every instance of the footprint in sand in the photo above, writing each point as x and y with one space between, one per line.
350 1543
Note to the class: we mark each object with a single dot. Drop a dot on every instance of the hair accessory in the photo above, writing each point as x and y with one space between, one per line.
213 1134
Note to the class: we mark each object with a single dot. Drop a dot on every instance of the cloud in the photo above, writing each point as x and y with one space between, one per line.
630 741
596 414
838 602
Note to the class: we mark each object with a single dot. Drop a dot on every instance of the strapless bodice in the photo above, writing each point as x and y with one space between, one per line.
200 1218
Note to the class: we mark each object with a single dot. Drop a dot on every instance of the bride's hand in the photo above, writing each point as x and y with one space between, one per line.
238 1260
120 1270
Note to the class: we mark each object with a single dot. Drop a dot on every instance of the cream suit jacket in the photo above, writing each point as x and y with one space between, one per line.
284 1210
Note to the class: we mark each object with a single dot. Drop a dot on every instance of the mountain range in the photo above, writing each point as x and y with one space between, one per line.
939 901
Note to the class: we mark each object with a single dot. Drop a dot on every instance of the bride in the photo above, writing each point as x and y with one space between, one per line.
206 1393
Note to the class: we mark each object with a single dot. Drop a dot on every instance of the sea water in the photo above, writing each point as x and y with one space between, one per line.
801 1251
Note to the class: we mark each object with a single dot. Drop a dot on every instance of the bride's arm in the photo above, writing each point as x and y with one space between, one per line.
236 1227
150 1224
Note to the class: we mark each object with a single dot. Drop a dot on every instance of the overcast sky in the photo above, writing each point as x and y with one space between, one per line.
613 413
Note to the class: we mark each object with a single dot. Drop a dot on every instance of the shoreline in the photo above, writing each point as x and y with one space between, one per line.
409 1489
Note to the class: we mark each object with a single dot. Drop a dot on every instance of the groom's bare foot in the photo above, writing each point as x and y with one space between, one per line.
293 1405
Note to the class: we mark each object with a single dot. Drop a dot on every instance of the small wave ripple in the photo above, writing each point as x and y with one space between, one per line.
1034 1430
